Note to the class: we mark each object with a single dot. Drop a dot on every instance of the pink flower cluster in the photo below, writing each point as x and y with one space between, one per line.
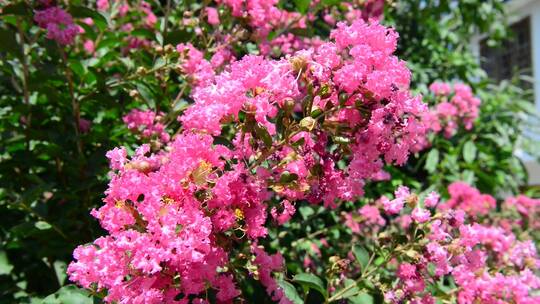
146 124
175 217
468 199
262 15
457 105
487 263
526 213
58 23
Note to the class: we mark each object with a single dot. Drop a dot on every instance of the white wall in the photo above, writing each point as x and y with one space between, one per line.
517 10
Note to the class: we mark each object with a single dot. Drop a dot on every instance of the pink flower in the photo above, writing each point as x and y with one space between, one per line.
468 199
147 124
392 206
103 5
89 46
58 23
287 213
421 215
212 15
432 199
372 215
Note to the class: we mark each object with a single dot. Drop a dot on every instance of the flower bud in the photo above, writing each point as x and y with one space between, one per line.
308 123
133 93
141 70
169 49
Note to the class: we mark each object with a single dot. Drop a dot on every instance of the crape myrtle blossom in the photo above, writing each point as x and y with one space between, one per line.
146 124
488 263
177 216
456 105
58 23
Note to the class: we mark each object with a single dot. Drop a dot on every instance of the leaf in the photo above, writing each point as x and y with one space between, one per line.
469 152
19 9
42 225
331 2
306 211
60 268
350 289
432 160
362 298
69 294
302 5
263 134
178 36
85 12
290 292
9 42
361 255
287 177
311 281
5 265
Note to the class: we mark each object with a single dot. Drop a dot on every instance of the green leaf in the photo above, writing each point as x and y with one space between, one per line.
432 160
361 255
349 289
306 212
60 268
262 133
362 298
469 152
311 281
19 9
42 225
302 5
9 42
85 12
287 177
178 36
69 294
290 292
5 265
331 2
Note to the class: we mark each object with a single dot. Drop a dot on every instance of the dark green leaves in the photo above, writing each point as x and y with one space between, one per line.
85 12
361 255
263 134
311 281
290 292
302 5
19 9
9 42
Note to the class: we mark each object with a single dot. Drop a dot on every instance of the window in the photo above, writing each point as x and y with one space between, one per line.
512 56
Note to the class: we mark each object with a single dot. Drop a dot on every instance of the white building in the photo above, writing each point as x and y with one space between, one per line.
521 53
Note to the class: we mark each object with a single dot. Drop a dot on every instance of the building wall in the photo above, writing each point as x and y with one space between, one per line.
517 10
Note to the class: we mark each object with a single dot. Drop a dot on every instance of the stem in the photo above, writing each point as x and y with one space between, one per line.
74 103
364 275
41 218
166 20
26 91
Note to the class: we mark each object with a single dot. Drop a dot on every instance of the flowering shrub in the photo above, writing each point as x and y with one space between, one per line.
257 150
289 122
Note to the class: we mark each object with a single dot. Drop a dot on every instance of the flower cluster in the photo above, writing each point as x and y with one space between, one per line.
176 216
58 23
146 124
468 199
485 262
457 105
